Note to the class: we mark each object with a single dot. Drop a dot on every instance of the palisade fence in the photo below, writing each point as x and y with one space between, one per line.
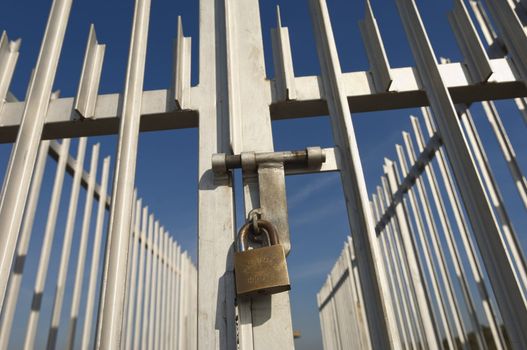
426 250
408 278
442 287
161 280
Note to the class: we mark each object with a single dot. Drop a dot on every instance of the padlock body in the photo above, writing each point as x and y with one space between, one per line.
261 271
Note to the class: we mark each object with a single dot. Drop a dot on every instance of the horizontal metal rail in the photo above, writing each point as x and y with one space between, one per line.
425 157
159 112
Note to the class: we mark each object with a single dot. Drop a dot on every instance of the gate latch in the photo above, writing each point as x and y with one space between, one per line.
270 167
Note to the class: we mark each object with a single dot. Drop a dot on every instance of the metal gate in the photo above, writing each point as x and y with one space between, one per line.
233 106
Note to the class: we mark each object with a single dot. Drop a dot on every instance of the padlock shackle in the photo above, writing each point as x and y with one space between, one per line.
247 229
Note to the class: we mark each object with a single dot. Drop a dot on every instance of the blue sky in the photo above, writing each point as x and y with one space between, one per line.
167 165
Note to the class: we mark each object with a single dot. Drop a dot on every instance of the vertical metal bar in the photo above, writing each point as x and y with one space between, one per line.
483 21
129 265
133 285
90 76
415 317
95 259
170 296
348 326
177 324
47 243
427 249
183 311
168 306
322 325
249 97
521 103
410 249
97 242
395 287
182 64
343 297
332 316
327 339
327 319
395 290
172 308
506 148
83 246
66 245
335 318
178 299
379 65
194 306
8 312
143 250
353 335
357 295
180 314
423 237
356 337
120 215
9 51
283 60
449 239
149 248
511 31
354 295
330 337
186 299
476 57
163 344
216 295
379 311
411 316
154 285
159 290
24 153
393 236
492 247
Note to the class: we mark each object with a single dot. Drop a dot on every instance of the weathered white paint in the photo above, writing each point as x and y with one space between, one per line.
148 297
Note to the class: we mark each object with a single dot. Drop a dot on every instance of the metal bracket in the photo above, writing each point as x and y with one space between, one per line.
270 167
311 158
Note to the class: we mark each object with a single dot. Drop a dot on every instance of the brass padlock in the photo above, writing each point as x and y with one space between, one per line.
260 270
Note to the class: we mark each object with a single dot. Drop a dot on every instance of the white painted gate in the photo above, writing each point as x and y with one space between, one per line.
233 106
